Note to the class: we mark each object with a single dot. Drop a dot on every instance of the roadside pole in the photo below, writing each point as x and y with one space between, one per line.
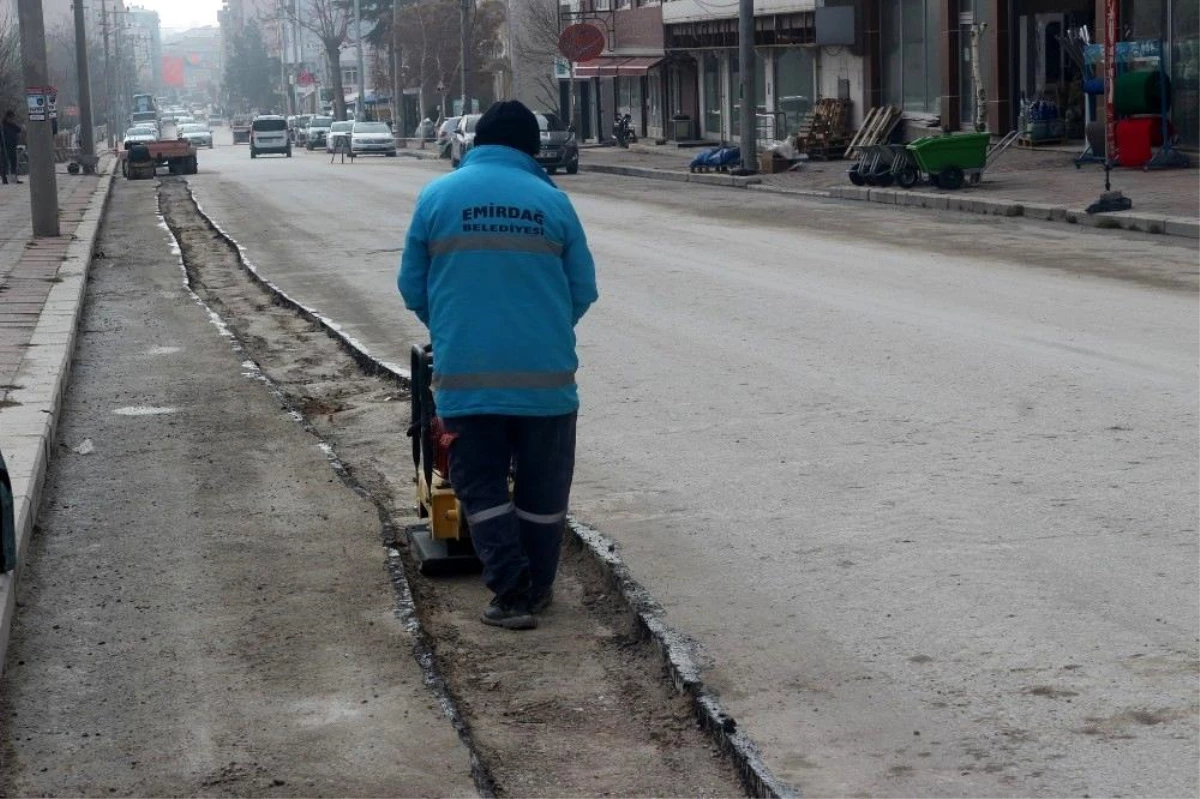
39 136
87 131
749 130
464 63
109 125
361 105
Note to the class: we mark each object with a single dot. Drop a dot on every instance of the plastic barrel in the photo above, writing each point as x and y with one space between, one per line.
1141 93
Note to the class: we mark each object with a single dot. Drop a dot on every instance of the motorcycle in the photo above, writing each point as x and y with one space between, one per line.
623 130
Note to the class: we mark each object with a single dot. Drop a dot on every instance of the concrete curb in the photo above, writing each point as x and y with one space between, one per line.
963 202
43 376
704 178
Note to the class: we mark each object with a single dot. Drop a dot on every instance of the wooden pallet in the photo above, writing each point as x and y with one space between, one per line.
825 128
1026 143
876 128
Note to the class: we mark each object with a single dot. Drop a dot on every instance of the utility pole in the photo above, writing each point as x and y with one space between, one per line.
464 63
119 72
298 46
747 75
399 115
283 71
87 132
108 99
361 105
39 135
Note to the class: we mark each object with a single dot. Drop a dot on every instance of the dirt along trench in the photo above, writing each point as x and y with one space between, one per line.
582 706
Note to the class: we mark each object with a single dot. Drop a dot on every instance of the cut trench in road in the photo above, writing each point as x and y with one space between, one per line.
601 699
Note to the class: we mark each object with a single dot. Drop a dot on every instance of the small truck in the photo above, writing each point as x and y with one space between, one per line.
141 160
240 126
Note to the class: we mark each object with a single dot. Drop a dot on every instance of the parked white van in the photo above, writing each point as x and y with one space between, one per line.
269 134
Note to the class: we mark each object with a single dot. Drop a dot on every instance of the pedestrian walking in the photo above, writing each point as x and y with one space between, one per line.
10 137
497 265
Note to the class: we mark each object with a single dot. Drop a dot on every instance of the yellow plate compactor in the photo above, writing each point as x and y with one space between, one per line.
442 542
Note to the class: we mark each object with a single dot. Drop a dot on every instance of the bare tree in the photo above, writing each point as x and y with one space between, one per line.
329 21
535 27
11 78
430 42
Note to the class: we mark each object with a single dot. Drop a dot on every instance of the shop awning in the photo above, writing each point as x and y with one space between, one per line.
613 66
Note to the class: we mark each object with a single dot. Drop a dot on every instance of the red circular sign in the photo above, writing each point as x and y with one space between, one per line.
582 42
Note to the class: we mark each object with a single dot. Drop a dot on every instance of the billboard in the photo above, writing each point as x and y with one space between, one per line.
172 71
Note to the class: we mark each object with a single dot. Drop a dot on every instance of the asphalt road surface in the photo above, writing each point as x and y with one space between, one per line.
922 487
205 610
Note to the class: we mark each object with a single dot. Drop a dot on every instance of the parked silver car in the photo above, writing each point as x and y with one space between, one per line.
196 134
372 138
316 132
463 138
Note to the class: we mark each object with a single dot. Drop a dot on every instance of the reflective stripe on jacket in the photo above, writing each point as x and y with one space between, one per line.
497 266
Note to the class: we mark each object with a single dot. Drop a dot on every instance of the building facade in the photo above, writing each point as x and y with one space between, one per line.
145 35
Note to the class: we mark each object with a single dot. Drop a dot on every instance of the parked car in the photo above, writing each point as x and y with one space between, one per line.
444 134
268 134
372 138
216 121
560 149
463 138
317 132
197 134
300 129
336 131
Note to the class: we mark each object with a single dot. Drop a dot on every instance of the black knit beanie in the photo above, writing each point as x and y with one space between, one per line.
511 124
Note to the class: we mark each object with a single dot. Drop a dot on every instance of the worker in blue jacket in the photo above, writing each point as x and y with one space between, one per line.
496 264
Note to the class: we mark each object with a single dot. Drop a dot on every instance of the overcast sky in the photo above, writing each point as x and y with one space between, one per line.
182 13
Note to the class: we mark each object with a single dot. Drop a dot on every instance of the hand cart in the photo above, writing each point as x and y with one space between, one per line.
950 161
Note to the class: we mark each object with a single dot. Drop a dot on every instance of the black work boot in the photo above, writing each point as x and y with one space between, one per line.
511 612
540 600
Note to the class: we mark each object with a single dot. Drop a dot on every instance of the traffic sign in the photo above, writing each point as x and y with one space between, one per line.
582 42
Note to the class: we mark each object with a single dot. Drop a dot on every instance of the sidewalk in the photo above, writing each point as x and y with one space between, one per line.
1042 178
41 293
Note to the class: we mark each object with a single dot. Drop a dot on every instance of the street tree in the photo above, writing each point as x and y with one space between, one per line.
250 70
11 77
329 21
430 40
535 26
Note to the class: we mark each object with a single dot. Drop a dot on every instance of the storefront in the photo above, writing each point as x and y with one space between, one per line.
785 89
788 78
1177 24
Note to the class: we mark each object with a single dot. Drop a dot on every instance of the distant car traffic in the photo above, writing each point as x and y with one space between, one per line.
300 128
269 134
560 149
372 138
463 139
216 121
336 131
444 134
139 133
197 134
317 132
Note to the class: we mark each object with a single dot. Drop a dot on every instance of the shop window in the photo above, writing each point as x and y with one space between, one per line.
1185 70
909 39
712 96
735 89
795 84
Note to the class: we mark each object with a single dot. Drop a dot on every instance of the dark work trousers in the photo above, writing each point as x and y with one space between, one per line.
517 538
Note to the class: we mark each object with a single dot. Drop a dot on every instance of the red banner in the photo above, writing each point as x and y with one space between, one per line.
172 71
